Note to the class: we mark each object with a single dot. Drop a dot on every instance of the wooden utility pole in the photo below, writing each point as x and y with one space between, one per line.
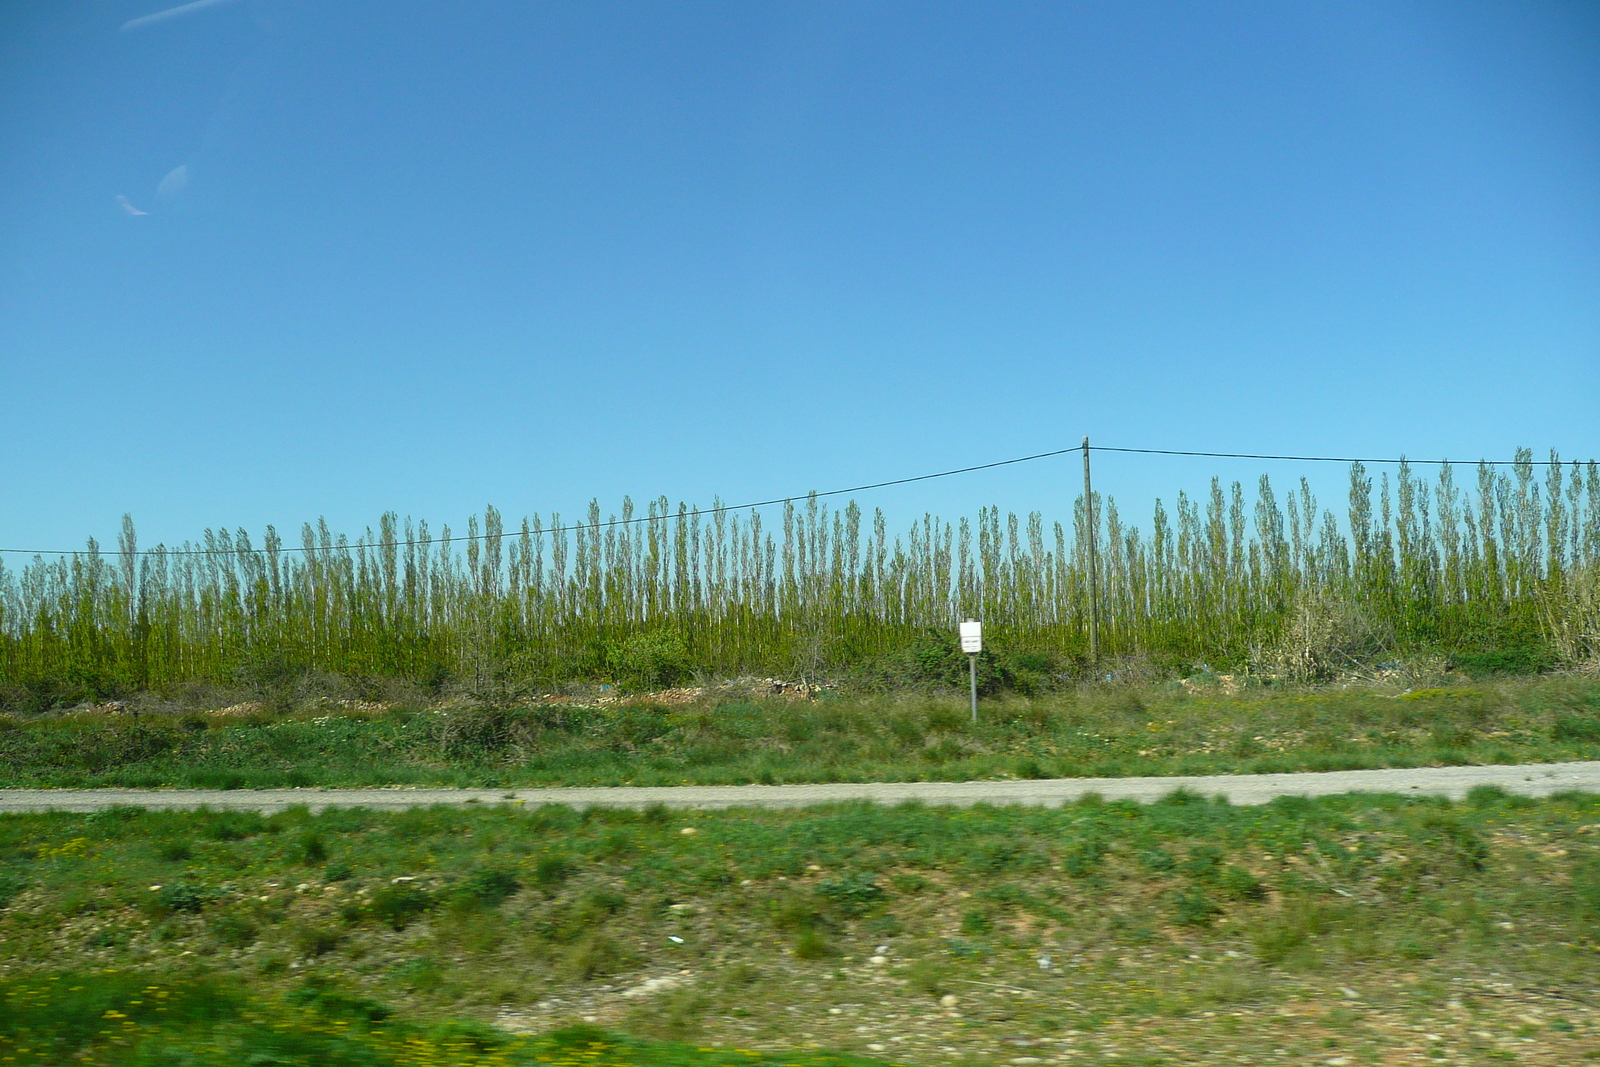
1092 535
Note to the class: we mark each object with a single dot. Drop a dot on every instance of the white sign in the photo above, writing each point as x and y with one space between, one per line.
972 636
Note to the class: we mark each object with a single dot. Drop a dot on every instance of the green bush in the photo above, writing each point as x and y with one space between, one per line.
1586 893
183 897
312 849
398 905
1503 661
595 955
12 883
929 977
232 930
811 944
1576 728
1192 907
1236 883
647 661
174 851
327 999
487 887
854 894
552 871
315 939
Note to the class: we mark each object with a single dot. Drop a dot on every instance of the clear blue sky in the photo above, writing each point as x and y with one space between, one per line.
428 255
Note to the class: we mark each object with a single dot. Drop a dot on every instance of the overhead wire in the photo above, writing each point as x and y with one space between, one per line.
724 508
1325 459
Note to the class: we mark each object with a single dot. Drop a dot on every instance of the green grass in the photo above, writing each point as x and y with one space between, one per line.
111 1019
1110 731
1216 932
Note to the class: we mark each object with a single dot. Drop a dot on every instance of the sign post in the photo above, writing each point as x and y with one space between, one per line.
972 644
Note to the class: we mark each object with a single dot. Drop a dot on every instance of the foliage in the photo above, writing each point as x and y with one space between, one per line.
1188 903
488 887
116 1020
1095 731
1506 569
649 660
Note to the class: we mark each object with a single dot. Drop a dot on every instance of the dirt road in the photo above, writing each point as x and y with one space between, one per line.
1532 779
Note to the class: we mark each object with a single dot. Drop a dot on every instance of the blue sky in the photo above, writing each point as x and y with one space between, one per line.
426 256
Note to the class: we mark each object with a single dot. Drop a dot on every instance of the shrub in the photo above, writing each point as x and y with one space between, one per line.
1576 728
649 661
1504 661
1586 893
232 930
810 944
1236 883
1193 908
183 897
488 887
930 978
594 955
552 871
854 894
315 940
1324 635
311 848
12 883
397 905
1158 859
1279 936
792 911
327 999
174 851
1082 857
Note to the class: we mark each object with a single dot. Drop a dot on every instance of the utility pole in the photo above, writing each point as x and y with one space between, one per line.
1092 535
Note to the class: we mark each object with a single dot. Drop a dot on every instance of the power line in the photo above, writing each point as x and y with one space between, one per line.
583 525
608 523
1330 459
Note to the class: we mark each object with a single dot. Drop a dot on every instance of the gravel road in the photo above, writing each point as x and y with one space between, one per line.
1532 779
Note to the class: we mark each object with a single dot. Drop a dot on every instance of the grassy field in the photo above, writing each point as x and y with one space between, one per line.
113 1018
1198 728
1341 931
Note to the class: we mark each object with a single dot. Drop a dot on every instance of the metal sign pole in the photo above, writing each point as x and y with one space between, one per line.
972 665
972 643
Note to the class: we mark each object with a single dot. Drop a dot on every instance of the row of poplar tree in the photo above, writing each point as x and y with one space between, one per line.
1424 561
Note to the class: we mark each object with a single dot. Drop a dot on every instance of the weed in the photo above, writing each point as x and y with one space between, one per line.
551 871
1193 908
315 940
811 944
853 894
909 884
593 955
929 977
174 851
12 883
488 887
398 905
1236 883
1583 728
181 897
232 929
311 848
